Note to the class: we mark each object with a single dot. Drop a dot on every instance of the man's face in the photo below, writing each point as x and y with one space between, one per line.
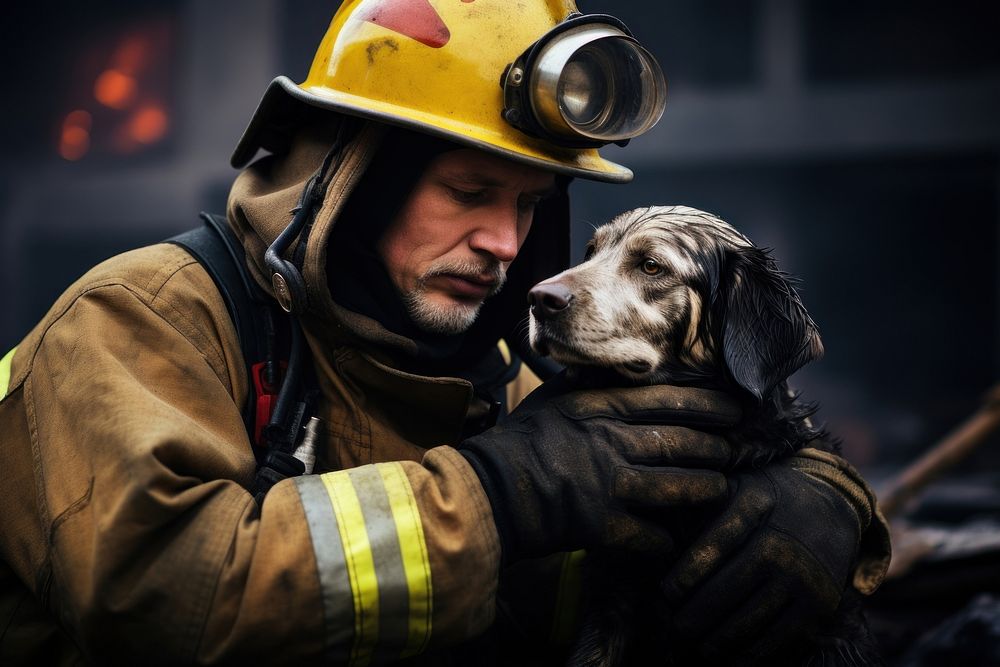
449 247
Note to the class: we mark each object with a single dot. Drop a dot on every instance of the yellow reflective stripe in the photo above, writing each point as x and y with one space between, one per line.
567 613
504 351
5 372
334 581
413 546
372 554
360 564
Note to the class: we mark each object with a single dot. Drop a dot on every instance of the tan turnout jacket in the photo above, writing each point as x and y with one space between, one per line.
127 529
126 459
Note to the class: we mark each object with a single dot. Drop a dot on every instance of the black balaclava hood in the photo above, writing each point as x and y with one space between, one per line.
356 275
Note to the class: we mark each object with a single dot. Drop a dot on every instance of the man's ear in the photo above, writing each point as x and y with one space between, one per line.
766 332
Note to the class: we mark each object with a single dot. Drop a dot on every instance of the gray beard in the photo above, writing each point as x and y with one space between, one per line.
453 318
435 318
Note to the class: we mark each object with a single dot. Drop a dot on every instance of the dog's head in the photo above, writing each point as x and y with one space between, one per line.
671 291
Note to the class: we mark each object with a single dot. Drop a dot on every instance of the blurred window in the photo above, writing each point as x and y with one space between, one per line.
900 39
92 81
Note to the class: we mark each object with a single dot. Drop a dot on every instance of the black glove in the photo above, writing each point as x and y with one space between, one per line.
774 563
564 471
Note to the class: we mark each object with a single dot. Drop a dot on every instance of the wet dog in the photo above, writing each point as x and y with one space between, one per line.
674 295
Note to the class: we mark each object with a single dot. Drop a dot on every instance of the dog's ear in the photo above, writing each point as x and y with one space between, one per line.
766 333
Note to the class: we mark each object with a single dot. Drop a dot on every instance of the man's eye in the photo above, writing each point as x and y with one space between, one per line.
466 196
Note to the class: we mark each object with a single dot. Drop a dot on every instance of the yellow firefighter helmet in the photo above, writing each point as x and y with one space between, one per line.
531 80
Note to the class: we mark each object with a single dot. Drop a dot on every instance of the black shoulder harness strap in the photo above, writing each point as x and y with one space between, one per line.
275 420
221 254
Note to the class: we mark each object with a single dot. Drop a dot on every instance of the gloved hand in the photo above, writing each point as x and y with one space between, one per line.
567 468
777 560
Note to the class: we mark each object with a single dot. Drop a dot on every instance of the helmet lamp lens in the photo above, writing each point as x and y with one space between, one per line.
584 89
611 90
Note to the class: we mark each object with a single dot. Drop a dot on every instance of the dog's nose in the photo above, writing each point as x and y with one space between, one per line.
549 299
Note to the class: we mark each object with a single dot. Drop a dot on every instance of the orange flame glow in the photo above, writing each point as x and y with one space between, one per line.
74 142
149 124
114 89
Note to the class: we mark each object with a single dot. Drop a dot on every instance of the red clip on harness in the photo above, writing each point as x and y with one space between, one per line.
267 397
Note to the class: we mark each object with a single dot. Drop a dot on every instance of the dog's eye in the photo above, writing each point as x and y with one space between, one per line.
589 252
651 267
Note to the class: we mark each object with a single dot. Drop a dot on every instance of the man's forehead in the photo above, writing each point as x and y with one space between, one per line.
482 169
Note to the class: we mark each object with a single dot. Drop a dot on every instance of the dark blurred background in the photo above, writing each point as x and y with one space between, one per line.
860 140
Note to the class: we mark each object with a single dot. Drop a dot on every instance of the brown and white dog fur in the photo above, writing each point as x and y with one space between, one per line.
674 295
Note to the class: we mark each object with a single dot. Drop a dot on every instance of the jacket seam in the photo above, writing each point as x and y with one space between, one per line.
46 523
216 352
156 283
44 520
75 507
180 264
140 291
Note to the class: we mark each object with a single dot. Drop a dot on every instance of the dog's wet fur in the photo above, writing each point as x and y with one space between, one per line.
674 295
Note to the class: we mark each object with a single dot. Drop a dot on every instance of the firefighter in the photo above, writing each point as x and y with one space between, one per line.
431 144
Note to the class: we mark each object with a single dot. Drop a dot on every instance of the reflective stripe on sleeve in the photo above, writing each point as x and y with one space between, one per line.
372 559
5 372
335 585
413 548
360 564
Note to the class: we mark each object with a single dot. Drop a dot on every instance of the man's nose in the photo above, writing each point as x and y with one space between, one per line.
497 235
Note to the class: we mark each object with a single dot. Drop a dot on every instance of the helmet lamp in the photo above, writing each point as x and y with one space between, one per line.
587 82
